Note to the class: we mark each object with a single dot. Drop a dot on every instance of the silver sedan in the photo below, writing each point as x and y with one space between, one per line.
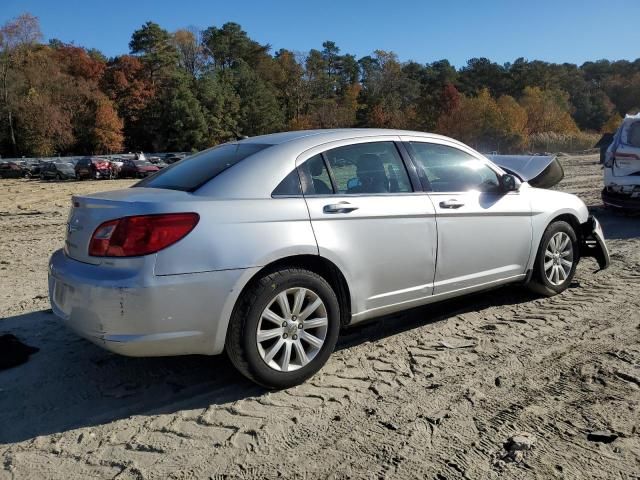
266 247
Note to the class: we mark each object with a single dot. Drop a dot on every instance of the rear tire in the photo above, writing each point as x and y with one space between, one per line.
283 328
556 260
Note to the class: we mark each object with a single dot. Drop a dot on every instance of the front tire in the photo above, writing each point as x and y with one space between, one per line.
284 328
556 261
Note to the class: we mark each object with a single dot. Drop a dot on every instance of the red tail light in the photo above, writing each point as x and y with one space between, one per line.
140 235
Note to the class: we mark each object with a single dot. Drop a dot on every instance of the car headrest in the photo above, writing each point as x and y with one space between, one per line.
315 166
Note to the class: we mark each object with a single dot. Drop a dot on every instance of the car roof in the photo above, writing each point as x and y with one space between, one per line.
259 174
328 135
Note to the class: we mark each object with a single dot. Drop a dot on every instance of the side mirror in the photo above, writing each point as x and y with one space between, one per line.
509 183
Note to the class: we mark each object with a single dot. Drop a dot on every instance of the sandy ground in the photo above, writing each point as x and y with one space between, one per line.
432 393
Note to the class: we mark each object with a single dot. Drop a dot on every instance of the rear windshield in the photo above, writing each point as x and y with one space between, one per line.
191 173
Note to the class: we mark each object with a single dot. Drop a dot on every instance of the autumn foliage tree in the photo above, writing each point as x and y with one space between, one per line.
17 36
547 111
486 123
107 134
194 88
52 98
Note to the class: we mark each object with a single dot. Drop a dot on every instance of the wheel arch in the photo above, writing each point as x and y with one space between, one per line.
571 219
316 264
540 226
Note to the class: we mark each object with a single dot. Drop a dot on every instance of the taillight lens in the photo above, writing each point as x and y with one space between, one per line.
140 235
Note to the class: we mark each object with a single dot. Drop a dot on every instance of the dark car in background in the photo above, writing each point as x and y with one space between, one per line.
28 167
33 168
93 167
13 170
57 171
173 158
137 168
158 162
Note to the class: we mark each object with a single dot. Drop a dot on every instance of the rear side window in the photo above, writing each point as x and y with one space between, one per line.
315 177
191 173
289 187
368 168
633 137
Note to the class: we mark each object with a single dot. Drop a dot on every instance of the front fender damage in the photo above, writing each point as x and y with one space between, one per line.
592 243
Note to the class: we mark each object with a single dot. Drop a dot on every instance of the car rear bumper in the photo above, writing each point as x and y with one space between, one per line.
137 314
619 200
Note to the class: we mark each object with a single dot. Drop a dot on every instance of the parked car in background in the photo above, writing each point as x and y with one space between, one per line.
267 246
33 167
622 167
23 165
13 170
137 168
57 171
158 162
173 158
116 166
93 167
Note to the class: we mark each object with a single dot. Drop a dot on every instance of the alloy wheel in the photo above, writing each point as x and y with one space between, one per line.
292 329
558 258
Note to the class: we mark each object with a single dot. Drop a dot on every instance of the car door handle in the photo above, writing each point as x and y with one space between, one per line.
341 207
451 203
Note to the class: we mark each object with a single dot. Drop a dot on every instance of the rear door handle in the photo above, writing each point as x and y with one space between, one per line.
341 207
451 203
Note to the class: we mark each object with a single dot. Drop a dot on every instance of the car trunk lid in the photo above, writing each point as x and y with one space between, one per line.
88 212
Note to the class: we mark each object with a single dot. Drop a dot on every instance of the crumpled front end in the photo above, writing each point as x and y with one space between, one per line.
622 167
593 243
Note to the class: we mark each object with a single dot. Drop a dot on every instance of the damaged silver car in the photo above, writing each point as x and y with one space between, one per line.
266 247
622 167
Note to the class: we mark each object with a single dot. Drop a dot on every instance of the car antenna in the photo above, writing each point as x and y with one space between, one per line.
239 136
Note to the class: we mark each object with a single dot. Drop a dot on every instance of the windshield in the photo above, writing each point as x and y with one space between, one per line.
193 172
143 163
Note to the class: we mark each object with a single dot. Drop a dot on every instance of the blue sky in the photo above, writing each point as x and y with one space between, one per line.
557 31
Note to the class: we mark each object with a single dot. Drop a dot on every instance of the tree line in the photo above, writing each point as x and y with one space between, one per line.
191 89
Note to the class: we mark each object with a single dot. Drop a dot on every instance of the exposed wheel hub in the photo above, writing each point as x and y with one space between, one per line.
291 328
